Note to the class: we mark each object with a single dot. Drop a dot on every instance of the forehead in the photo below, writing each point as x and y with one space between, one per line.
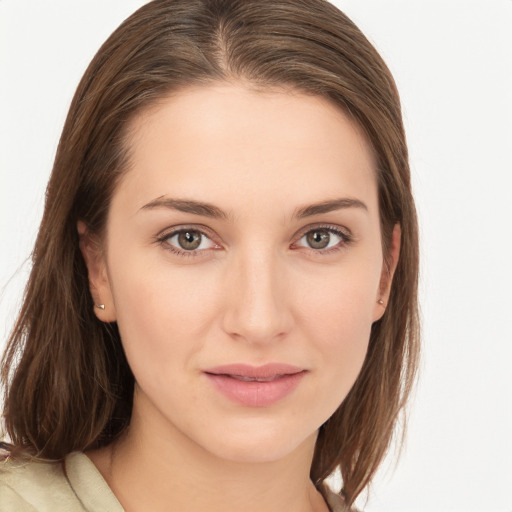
233 144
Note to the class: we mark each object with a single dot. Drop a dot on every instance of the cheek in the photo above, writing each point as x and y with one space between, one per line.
338 317
341 301
162 313
341 331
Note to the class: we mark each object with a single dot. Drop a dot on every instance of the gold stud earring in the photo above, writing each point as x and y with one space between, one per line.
100 306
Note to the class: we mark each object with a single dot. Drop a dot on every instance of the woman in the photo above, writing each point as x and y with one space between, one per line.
222 307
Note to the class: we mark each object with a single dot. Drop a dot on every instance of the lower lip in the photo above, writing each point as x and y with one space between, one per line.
256 393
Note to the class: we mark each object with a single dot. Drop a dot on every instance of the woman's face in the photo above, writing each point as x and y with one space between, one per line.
243 265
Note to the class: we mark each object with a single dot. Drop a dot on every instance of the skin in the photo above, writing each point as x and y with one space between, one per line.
254 292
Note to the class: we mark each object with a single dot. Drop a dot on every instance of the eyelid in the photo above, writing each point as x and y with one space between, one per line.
343 232
169 232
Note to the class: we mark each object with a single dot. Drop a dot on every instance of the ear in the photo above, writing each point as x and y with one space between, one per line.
388 271
99 284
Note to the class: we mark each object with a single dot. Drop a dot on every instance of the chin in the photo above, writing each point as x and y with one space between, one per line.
265 445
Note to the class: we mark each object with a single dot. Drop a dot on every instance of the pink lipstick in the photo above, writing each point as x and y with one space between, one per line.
255 386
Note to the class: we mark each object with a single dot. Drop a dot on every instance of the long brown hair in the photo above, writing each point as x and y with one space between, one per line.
67 383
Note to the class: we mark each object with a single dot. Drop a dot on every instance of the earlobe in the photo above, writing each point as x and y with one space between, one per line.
388 271
99 283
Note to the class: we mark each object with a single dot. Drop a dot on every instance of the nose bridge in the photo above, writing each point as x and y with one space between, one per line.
257 300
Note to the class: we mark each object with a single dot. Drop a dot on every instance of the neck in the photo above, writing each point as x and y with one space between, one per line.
163 470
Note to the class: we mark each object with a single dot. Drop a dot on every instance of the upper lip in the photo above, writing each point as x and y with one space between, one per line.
257 372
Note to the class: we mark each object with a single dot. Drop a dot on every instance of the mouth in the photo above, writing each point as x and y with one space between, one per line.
255 386
246 378
267 371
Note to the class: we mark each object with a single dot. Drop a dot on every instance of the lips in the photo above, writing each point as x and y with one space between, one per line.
255 386
245 378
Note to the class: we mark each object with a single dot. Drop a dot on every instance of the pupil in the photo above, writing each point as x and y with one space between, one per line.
318 239
189 240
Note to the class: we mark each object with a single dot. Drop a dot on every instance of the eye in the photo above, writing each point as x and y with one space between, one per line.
323 238
187 242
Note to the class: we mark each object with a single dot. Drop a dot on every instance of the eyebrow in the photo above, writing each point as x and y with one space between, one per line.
329 206
214 212
187 206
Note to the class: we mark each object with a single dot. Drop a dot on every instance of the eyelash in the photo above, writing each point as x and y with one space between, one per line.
345 236
163 239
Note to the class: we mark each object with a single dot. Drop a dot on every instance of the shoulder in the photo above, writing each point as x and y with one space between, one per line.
35 487
58 486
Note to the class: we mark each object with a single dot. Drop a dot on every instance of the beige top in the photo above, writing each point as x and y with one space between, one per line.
75 485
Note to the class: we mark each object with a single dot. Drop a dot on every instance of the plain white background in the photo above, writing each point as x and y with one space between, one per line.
452 61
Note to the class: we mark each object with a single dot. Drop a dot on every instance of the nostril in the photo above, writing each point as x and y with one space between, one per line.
256 307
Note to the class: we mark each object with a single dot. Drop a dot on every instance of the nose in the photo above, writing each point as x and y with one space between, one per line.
258 298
